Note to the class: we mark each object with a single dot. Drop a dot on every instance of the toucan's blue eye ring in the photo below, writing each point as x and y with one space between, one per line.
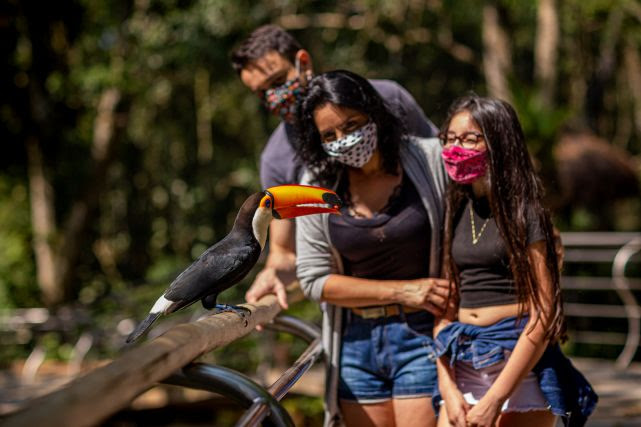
268 203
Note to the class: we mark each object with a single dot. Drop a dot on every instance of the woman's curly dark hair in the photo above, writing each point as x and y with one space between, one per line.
350 90
515 196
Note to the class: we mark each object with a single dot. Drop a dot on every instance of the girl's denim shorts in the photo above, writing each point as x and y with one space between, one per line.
474 384
387 357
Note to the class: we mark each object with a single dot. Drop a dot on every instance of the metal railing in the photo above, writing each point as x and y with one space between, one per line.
617 250
260 404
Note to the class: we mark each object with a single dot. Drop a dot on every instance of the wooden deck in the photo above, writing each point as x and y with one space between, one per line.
619 392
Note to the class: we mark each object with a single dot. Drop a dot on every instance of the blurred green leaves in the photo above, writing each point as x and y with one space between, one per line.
17 272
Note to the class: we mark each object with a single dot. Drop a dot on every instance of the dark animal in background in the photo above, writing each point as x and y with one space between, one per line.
593 174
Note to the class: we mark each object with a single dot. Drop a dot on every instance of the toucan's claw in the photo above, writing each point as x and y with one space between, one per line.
242 312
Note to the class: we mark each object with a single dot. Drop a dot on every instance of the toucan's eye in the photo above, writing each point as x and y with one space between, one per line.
268 203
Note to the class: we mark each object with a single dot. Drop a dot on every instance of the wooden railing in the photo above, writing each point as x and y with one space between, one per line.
90 399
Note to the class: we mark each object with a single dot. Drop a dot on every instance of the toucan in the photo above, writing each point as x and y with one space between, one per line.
228 261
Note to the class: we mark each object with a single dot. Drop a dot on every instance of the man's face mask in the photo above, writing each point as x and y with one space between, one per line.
355 149
281 100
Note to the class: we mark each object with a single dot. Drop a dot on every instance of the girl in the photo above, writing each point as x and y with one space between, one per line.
500 363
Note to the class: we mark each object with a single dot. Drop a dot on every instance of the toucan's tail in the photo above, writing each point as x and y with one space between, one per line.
143 326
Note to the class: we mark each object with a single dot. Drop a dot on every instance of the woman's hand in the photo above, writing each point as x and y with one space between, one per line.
429 294
484 413
456 407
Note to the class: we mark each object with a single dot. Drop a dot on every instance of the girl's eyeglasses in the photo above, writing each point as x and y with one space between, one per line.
465 140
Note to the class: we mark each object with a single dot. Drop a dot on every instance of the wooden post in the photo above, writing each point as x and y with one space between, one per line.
93 397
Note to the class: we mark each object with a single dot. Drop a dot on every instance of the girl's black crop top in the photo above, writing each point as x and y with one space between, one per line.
484 267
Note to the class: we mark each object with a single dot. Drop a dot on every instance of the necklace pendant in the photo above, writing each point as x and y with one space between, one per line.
475 238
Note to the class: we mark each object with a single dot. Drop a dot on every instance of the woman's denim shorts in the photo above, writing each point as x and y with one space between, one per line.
387 357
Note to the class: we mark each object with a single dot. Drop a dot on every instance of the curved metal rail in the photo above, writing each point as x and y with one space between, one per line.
234 385
630 304
295 326
260 404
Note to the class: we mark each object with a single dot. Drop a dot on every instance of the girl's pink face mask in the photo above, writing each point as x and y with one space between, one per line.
464 165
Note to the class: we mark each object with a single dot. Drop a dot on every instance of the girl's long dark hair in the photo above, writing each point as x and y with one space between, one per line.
350 90
515 190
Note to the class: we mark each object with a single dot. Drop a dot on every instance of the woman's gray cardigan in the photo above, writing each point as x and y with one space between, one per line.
316 258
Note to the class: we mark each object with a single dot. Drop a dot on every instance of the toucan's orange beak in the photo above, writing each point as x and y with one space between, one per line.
291 201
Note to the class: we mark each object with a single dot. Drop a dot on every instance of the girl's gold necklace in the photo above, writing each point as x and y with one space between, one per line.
475 238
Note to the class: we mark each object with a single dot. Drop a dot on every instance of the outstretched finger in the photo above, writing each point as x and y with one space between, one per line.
281 293
251 298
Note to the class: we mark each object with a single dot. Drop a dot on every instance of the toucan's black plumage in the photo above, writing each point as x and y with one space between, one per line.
222 265
228 261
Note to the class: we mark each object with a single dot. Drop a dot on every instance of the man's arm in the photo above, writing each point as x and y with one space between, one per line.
280 267
277 167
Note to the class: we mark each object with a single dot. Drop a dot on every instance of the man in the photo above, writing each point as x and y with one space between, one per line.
273 65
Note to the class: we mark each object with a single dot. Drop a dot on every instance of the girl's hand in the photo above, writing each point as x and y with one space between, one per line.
456 407
484 413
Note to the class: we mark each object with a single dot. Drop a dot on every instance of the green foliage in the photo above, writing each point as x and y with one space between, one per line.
305 410
17 273
164 201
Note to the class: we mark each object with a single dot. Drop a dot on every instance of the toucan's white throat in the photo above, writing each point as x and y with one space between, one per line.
260 225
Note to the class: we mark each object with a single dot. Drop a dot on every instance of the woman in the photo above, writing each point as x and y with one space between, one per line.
500 363
371 266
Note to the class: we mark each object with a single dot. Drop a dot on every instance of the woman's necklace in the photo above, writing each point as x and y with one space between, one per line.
356 213
475 238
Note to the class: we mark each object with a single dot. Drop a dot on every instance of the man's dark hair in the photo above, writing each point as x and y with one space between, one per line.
350 90
261 41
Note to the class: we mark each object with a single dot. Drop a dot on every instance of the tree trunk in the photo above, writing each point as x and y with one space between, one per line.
597 88
497 56
43 224
57 255
546 51
632 63
81 212
203 116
